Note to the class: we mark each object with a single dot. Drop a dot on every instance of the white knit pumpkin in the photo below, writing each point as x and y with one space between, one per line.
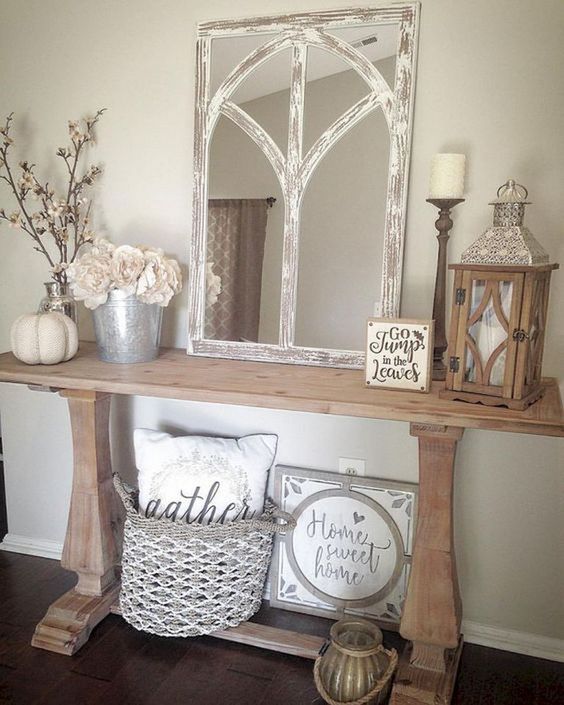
44 338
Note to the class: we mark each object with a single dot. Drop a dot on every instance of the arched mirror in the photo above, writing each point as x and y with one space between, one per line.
302 137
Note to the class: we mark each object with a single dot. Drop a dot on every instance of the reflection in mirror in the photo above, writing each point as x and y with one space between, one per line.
341 238
332 87
228 52
375 42
265 96
242 297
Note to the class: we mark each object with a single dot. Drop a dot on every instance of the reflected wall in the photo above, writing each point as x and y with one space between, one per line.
342 210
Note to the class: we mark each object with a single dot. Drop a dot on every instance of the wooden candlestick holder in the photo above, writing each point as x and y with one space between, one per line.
443 225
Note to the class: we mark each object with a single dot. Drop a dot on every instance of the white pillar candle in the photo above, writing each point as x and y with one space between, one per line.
447 176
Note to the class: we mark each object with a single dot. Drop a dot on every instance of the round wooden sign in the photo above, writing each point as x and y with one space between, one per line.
345 548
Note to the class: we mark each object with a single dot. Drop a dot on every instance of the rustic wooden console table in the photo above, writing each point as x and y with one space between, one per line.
432 612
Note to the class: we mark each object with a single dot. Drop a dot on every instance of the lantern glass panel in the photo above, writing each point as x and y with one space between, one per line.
487 332
536 331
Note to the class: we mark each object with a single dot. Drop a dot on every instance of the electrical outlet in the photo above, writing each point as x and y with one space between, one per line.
352 466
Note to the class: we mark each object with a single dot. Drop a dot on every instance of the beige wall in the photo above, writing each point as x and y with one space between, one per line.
490 79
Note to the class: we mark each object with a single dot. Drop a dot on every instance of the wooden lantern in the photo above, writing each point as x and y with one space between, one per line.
499 311
497 334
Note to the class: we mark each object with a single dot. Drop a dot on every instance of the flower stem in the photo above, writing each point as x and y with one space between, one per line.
21 204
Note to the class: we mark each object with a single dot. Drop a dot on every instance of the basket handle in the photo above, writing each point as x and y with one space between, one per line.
125 493
288 521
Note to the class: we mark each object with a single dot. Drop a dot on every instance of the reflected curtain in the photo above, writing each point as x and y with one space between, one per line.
235 252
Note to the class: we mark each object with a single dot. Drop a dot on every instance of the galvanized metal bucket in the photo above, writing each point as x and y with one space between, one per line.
127 330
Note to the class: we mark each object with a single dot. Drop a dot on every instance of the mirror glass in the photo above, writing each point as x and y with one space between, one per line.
343 207
228 52
292 233
340 250
332 87
244 240
265 97
376 42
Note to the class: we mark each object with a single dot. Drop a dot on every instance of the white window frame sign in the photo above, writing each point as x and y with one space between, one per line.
350 551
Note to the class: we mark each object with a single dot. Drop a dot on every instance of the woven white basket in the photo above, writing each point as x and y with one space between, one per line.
187 579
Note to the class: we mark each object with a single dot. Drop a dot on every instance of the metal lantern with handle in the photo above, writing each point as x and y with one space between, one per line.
499 310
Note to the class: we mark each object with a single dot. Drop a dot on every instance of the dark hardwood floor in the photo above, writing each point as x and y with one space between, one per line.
120 666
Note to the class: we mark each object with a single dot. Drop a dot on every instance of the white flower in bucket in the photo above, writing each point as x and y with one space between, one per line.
126 288
143 271
90 279
127 265
160 279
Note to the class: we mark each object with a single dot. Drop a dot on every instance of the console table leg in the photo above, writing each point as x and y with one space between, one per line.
433 609
91 544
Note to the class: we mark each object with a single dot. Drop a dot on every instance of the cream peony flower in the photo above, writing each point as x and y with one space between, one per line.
160 279
174 274
89 278
101 246
127 264
149 251
142 271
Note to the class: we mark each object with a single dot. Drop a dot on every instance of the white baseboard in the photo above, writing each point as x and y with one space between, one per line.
32 546
512 640
474 633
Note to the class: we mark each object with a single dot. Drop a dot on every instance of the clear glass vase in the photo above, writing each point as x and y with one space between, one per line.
58 299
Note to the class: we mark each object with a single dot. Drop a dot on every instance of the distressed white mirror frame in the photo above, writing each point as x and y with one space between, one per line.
297 32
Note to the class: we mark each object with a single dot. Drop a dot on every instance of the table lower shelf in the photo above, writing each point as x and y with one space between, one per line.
70 620
264 636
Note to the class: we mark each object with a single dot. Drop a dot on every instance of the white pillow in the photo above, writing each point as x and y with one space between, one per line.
201 479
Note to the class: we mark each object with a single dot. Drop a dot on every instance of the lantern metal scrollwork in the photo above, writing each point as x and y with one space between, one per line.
499 310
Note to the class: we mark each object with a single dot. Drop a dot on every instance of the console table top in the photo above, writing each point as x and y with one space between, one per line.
321 390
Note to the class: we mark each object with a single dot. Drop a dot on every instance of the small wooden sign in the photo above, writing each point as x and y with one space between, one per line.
399 354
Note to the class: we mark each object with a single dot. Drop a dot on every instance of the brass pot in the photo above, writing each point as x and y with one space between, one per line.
353 662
